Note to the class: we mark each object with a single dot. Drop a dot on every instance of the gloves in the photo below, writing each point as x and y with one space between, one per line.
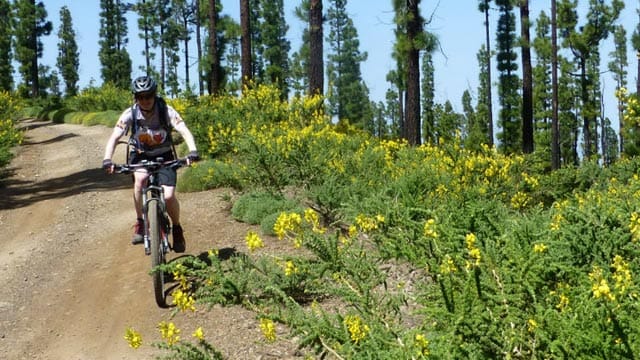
193 157
107 164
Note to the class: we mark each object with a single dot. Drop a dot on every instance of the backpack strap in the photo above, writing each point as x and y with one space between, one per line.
163 114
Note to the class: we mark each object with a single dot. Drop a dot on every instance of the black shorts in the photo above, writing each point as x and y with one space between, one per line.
166 176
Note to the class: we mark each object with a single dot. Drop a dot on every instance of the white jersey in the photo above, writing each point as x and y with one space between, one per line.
151 136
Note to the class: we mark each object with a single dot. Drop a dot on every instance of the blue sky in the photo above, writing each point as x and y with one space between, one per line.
457 23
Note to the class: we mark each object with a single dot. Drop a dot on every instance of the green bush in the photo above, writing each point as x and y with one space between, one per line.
104 98
253 207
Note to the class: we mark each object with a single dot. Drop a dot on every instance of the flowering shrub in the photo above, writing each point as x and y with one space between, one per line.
10 136
428 251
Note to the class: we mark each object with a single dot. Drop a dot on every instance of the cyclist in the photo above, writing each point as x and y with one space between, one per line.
151 121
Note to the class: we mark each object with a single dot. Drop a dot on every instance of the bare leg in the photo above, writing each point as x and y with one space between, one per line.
173 206
139 181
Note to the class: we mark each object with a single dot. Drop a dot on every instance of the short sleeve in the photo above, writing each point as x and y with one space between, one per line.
125 119
174 117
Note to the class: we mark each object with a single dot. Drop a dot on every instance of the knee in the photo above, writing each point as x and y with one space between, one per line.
169 194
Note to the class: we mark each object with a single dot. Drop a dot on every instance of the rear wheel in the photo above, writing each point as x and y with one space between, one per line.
157 255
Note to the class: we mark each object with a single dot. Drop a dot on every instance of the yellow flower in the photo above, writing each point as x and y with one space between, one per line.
470 240
474 252
532 325
287 222
556 221
357 329
353 231
366 223
290 268
253 241
421 342
600 285
634 227
430 229
311 217
133 338
539 248
268 329
447 266
621 275
198 334
180 275
170 333
183 301
520 200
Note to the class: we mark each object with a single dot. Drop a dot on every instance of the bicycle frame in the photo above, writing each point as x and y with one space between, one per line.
154 193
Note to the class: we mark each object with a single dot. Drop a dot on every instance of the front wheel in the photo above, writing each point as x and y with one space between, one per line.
157 253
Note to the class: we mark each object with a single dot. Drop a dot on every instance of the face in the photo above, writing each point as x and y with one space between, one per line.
146 100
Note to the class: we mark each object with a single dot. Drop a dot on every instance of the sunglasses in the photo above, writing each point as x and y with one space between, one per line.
145 96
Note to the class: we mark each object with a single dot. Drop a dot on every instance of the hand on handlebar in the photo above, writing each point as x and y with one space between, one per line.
192 157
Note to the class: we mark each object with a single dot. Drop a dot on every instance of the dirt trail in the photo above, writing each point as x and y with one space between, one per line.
71 280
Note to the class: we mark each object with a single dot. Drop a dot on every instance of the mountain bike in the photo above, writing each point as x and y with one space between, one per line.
157 225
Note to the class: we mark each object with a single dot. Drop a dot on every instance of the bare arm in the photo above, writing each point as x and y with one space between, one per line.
111 143
187 136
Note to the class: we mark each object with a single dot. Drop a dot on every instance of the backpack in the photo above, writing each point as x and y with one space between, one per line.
163 115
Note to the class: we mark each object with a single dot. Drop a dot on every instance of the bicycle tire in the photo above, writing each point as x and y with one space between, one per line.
157 255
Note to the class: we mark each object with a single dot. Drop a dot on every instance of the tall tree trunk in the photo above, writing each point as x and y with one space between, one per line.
527 80
214 74
35 84
316 52
488 60
163 59
586 119
555 128
146 39
199 47
245 43
186 52
414 28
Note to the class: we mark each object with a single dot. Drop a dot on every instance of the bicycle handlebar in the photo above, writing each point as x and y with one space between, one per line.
151 165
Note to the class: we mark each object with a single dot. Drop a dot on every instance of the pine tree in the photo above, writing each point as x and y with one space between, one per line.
6 32
147 18
348 95
185 13
275 45
510 137
583 41
555 118
618 67
31 25
428 98
215 81
447 122
483 108
300 72
542 87
114 58
68 60
485 91
229 50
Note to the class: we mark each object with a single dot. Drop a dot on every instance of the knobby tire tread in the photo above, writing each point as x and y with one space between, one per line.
157 256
